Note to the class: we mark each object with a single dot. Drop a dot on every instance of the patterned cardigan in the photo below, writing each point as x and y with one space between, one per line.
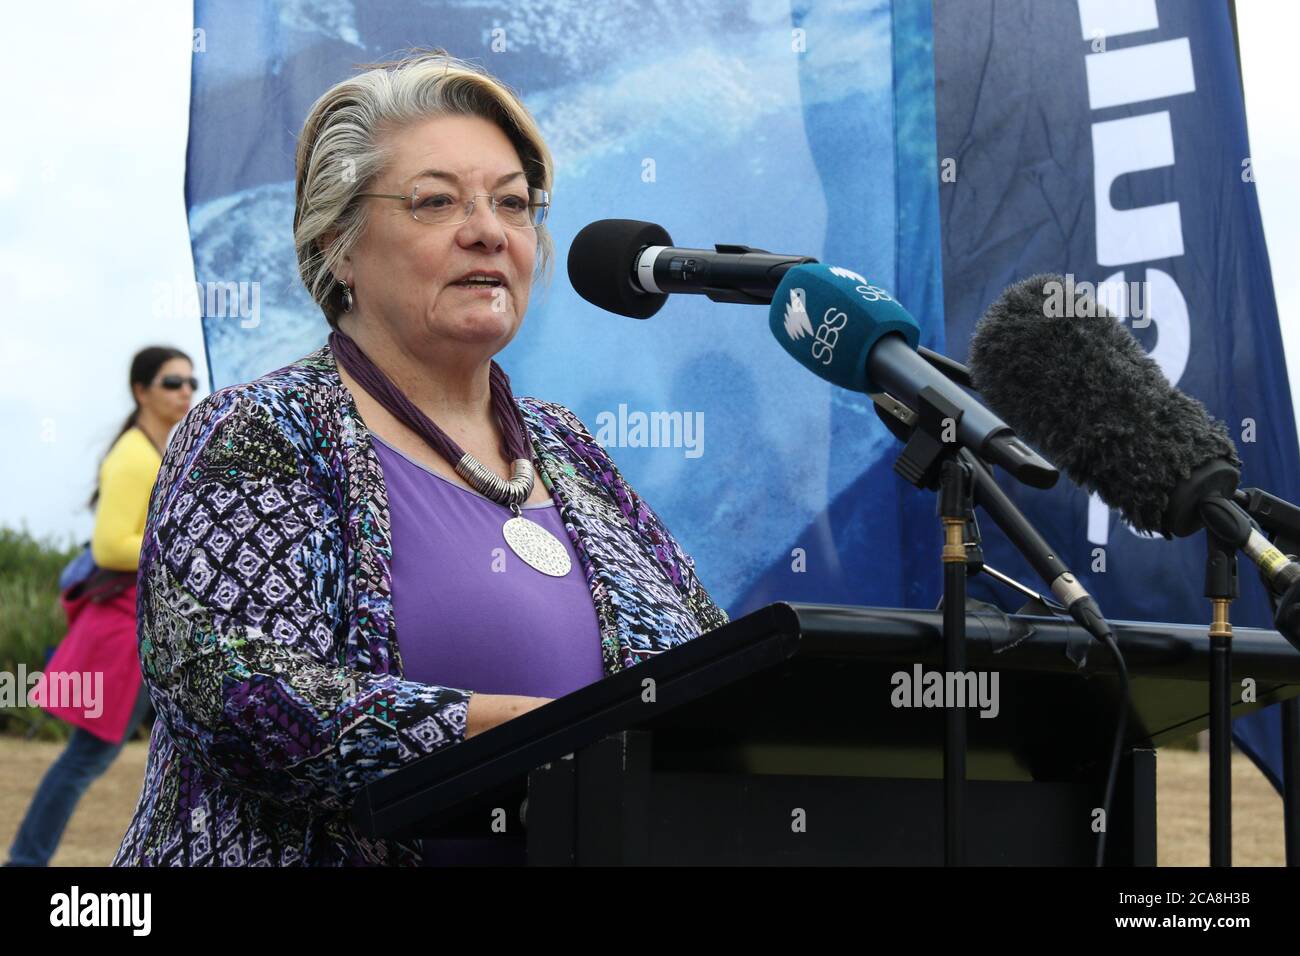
266 628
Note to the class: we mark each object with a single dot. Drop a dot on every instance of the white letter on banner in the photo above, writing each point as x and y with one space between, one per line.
1140 73
1167 310
1124 146
1112 18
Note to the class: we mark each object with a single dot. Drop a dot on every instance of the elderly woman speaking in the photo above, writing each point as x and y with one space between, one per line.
347 563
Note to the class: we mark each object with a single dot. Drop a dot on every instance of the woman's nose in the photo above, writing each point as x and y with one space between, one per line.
483 224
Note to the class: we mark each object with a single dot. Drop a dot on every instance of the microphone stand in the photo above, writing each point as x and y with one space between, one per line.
1280 521
930 459
963 481
956 510
1230 524
1221 589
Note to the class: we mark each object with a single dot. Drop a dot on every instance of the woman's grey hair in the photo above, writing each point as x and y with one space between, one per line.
340 153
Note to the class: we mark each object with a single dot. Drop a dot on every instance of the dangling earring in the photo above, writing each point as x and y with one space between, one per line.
347 297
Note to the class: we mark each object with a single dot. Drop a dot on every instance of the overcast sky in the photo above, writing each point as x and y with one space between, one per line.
95 101
92 221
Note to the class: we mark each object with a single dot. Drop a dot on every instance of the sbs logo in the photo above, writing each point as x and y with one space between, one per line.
869 292
797 324
828 333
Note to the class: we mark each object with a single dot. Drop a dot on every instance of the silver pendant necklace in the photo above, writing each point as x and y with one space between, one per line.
534 545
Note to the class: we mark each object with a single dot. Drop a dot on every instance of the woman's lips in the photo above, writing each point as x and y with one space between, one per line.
479 288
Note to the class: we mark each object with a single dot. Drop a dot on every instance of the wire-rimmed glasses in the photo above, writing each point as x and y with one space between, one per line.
435 206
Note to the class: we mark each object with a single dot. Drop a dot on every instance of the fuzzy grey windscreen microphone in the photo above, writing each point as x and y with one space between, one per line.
1085 393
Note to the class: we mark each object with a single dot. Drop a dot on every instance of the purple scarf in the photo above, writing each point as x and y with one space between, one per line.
381 387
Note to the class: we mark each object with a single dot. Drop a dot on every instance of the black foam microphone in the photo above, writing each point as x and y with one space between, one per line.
1077 385
629 267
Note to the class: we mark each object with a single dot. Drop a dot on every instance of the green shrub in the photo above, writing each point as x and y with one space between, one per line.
31 618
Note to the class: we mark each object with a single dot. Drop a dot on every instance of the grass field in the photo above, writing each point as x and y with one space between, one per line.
95 831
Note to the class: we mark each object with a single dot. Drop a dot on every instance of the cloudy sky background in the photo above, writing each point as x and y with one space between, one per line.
92 225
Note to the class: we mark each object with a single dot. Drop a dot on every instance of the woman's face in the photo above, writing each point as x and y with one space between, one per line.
168 404
403 271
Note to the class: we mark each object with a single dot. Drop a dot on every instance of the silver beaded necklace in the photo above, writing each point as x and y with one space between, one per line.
532 543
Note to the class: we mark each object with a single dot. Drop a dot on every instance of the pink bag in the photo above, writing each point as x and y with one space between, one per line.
93 679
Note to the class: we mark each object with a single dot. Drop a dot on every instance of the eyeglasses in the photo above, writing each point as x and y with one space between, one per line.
443 209
174 382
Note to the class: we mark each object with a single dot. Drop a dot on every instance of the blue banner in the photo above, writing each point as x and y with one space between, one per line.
804 128
943 160
1106 139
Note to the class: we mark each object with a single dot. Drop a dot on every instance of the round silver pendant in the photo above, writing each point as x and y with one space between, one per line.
537 547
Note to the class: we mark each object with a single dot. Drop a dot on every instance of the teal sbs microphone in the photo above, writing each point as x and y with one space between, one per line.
853 334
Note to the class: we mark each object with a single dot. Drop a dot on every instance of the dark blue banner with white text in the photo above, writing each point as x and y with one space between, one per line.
1106 139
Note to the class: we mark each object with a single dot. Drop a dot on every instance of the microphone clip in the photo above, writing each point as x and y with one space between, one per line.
929 437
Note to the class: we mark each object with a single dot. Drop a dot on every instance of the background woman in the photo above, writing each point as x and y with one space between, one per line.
98 655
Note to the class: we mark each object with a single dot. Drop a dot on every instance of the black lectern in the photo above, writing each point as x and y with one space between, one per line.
784 738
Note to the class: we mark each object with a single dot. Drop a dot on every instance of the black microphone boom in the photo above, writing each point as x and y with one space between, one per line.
630 267
607 265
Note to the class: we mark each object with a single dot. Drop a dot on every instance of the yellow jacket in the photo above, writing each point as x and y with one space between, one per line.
126 479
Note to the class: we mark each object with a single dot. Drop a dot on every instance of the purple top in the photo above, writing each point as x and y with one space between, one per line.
469 613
